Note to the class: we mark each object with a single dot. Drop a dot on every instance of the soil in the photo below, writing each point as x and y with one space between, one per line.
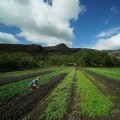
74 109
106 86
71 103
23 77
34 103
19 107
38 110
106 80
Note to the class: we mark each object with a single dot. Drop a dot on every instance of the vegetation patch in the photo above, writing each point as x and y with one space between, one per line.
17 108
7 92
17 60
92 102
6 75
113 73
86 57
57 107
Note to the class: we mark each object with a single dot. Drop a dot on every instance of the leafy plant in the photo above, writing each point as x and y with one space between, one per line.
19 88
57 107
92 102
113 73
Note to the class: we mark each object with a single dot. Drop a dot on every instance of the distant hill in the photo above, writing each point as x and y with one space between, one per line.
61 54
40 51
115 53
21 48
110 51
37 49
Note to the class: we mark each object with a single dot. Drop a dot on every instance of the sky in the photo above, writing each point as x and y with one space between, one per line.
77 23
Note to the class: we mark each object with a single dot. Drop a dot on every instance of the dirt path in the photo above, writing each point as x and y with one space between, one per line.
23 77
107 87
17 108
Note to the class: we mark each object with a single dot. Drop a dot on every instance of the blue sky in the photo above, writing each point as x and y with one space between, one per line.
93 21
79 23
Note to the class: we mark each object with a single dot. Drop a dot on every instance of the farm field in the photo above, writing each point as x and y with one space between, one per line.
4 75
9 77
66 94
16 89
113 73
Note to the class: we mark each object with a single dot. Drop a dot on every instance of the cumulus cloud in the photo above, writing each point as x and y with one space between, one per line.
112 43
7 38
41 22
108 39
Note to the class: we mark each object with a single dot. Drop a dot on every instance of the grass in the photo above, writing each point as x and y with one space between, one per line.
113 73
57 106
92 102
21 87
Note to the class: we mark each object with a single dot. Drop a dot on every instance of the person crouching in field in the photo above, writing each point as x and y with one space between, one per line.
34 83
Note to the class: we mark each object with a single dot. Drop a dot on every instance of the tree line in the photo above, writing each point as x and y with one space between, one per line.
17 60
85 57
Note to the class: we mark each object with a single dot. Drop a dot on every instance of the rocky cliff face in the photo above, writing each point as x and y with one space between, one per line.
21 48
38 49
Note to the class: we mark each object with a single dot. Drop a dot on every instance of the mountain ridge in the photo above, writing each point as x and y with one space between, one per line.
34 48
38 50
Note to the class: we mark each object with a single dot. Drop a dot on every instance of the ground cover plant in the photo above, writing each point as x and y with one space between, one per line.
5 81
92 102
57 106
20 88
17 108
4 75
113 73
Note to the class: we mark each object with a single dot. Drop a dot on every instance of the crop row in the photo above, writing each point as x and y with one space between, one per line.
113 73
17 108
22 77
5 75
92 101
58 105
12 90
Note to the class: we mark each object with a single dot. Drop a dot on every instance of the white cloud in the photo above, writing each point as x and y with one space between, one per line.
40 22
7 38
114 10
112 43
108 39
109 32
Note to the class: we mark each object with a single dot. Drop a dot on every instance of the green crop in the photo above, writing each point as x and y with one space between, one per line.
23 72
92 102
45 78
57 106
113 73
21 87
